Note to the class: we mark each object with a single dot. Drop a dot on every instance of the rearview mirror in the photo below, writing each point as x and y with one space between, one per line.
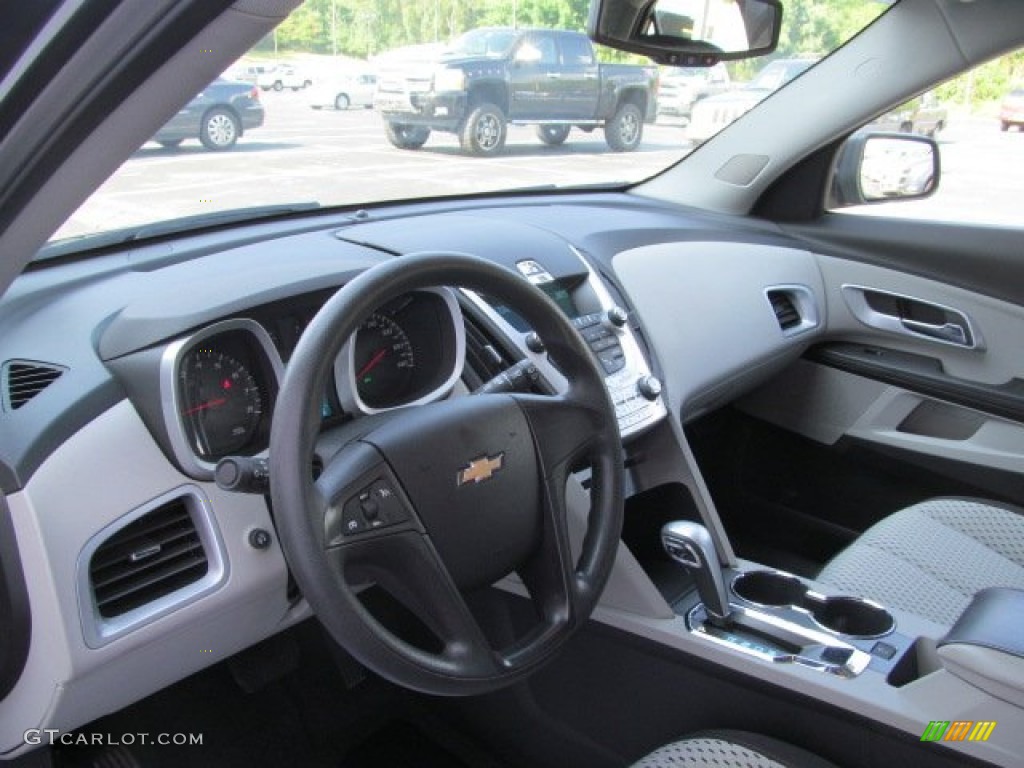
687 33
884 167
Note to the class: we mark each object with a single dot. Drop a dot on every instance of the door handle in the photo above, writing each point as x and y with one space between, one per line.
953 332
898 313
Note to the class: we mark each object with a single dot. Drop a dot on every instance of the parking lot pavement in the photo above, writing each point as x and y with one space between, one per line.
343 158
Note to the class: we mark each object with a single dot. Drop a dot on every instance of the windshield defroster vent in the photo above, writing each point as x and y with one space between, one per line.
24 379
151 562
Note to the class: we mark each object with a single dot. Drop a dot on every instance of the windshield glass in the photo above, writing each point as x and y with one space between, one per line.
483 42
354 102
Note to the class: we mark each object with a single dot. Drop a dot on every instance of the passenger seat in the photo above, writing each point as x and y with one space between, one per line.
930 559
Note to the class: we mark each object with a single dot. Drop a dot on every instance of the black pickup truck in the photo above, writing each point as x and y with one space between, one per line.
491 77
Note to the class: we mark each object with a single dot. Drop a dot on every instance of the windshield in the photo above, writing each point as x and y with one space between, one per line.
777 74
483 42
346 105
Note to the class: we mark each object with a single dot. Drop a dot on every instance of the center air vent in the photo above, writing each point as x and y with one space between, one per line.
485 357
24 379
157 554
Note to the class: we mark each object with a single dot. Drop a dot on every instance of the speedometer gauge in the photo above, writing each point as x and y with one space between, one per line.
221 402
384 361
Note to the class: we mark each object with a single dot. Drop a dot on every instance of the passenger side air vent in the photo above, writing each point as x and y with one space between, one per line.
24 379
785 308
485 357
155 555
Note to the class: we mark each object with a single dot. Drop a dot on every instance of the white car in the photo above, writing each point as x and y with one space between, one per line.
679 88
344 91
712 114
282 77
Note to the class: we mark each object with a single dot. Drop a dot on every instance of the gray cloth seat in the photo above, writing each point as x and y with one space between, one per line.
731 749
930 559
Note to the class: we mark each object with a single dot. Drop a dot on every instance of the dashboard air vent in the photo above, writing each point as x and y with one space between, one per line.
153 556
24 379
785 309
485 358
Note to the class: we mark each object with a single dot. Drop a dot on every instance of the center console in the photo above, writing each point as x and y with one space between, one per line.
776 617
608 330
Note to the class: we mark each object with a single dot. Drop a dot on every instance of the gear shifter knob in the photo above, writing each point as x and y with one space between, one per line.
690 545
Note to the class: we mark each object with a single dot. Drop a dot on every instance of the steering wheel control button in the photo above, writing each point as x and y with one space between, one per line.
376 505
352 520
368 506
260 538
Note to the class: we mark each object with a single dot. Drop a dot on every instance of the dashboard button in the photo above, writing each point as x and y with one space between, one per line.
649 387
617 316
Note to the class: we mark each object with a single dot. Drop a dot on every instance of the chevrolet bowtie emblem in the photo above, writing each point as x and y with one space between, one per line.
479 470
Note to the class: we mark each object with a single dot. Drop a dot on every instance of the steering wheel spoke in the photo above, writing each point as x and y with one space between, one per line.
566 429
407 567
360 497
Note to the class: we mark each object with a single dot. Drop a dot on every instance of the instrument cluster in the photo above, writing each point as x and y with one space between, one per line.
219 385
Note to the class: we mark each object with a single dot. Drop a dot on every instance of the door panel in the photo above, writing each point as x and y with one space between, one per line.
880 382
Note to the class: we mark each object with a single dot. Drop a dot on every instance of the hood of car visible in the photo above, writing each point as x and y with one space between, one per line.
468 61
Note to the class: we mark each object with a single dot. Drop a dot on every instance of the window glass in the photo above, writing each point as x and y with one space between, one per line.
978 122
576 51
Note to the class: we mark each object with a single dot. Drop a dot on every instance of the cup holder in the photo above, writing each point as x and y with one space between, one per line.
843 615
769 588
852 616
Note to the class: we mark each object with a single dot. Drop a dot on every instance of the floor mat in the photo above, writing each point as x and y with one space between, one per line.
398 745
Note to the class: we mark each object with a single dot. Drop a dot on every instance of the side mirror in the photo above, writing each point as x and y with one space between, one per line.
690 33
884 167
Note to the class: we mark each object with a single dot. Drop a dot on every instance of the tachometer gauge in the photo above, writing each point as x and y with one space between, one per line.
221 403
384 361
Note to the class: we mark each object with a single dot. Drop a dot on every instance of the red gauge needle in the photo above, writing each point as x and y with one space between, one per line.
208 404
373 363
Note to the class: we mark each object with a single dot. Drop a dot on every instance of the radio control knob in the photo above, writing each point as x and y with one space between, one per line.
649 387
617 316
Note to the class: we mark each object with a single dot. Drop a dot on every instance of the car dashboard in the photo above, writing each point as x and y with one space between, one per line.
140 570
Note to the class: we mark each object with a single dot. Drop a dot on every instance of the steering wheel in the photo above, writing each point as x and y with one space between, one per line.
466 491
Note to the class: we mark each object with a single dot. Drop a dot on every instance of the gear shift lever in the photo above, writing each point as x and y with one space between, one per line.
690 545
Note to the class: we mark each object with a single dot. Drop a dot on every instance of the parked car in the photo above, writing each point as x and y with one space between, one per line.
281 77
491 77
246 73
218 116
1011 112
679 88
712 114
924 115
345 90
